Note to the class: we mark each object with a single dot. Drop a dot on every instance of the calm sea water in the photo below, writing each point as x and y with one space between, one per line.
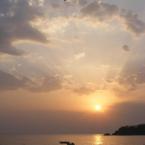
78 139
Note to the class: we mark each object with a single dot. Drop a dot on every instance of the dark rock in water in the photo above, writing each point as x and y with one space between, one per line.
107 134
67 143
131 130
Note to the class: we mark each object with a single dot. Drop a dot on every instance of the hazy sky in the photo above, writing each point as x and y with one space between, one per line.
58 60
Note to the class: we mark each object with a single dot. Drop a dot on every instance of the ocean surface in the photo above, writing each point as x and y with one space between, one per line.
77 139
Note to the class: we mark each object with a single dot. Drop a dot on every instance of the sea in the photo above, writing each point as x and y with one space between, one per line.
95 139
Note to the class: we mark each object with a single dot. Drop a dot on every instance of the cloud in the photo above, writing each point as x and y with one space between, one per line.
85 89
127 113
45 84
9 82
132 21
126 48
102 11
133 73
15 18
79 56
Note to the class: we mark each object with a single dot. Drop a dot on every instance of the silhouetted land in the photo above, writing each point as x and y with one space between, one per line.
131 130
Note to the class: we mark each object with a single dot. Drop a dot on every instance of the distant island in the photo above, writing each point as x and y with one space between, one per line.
130 130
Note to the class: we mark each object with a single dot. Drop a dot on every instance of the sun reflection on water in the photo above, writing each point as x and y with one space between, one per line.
98 140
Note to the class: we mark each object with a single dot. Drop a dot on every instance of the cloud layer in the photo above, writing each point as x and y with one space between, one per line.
15 24
16 17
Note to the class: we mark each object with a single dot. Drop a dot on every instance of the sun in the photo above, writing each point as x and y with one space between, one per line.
99 108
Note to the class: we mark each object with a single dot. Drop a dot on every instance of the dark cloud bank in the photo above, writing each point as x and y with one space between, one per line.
71 122
104 11
15 18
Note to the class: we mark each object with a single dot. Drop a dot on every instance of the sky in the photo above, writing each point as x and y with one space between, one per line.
60 59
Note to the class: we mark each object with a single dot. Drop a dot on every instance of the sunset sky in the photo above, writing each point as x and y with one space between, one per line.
74 66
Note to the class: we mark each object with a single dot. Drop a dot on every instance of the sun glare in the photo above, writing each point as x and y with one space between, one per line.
98 108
